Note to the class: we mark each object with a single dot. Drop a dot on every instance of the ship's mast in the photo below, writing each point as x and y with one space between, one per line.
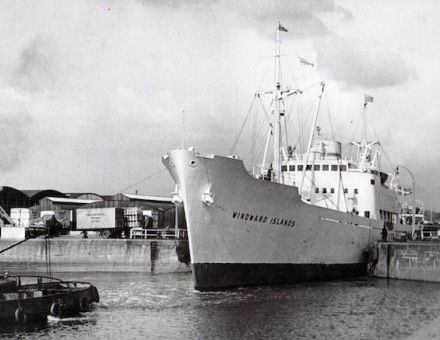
277 121
277 95
365 147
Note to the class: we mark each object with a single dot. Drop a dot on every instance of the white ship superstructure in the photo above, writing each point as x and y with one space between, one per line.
356 186
309 216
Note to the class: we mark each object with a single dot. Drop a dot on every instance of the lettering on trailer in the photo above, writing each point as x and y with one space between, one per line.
95 217
239 215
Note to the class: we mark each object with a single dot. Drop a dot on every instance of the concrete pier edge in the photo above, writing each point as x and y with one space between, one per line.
153 256
412 260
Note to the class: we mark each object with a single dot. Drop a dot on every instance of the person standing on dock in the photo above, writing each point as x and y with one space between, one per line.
384 234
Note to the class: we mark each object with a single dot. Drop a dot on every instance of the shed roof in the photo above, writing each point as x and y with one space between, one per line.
77 194
36 195
149 198
70 200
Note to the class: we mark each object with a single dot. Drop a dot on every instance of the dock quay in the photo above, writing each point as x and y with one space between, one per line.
97 255
418 260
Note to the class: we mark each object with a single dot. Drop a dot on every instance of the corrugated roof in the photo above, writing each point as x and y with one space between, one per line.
163 206
107 197
43 193
149 198
70 200
77 194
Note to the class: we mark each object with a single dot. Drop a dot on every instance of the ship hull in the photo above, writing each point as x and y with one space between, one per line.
214 276
243 231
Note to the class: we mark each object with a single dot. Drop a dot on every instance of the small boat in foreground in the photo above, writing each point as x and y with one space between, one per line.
26 298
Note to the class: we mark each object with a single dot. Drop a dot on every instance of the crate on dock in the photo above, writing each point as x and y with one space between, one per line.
133 217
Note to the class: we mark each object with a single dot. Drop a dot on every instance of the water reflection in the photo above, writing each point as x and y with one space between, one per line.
139 305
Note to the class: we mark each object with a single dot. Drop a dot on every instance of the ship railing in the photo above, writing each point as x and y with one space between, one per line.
171 233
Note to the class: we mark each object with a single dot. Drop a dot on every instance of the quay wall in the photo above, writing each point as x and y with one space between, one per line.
409 261
78 255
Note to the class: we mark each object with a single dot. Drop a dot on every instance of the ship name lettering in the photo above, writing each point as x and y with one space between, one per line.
239 215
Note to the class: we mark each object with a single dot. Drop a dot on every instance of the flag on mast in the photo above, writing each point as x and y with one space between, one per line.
281 28
305 62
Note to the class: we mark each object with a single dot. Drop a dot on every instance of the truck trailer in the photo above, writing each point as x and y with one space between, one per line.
109 222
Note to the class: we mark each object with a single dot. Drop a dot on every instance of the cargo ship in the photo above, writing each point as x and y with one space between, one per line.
303 217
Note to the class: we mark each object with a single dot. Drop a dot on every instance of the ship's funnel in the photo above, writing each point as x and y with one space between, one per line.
328 149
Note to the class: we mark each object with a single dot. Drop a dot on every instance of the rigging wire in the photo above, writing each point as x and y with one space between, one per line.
267 120
355 129
392 164
242 127
265 112
288 121
382 151
285 130
339 159
329 116
307 118
265 73
260 137
351 138
303 119
300 112
142 180
14 245
253 140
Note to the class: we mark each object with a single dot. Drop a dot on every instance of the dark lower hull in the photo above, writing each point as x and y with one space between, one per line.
215 276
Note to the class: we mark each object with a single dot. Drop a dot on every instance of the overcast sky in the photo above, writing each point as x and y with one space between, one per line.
92 93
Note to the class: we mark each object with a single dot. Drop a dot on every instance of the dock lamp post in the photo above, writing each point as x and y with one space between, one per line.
413 220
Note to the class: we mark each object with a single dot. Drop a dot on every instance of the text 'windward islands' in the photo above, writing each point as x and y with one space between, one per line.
262 219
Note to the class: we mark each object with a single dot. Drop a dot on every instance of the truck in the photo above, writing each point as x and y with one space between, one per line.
108 222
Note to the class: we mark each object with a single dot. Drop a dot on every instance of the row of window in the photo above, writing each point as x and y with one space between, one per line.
384 215
316 167
332 190
388 216
366 213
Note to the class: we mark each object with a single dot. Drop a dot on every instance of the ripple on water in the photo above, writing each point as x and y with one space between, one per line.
139 305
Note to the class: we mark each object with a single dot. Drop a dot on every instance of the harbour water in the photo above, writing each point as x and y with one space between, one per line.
142 306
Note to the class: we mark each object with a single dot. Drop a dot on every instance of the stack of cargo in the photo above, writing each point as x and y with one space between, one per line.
21 216
133 217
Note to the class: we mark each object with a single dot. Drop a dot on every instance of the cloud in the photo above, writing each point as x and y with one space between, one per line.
15 122
301 17
360 64
96 90
35 68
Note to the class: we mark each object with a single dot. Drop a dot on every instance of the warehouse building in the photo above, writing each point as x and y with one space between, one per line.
61 207
140 211
36 195
161 210
13 198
